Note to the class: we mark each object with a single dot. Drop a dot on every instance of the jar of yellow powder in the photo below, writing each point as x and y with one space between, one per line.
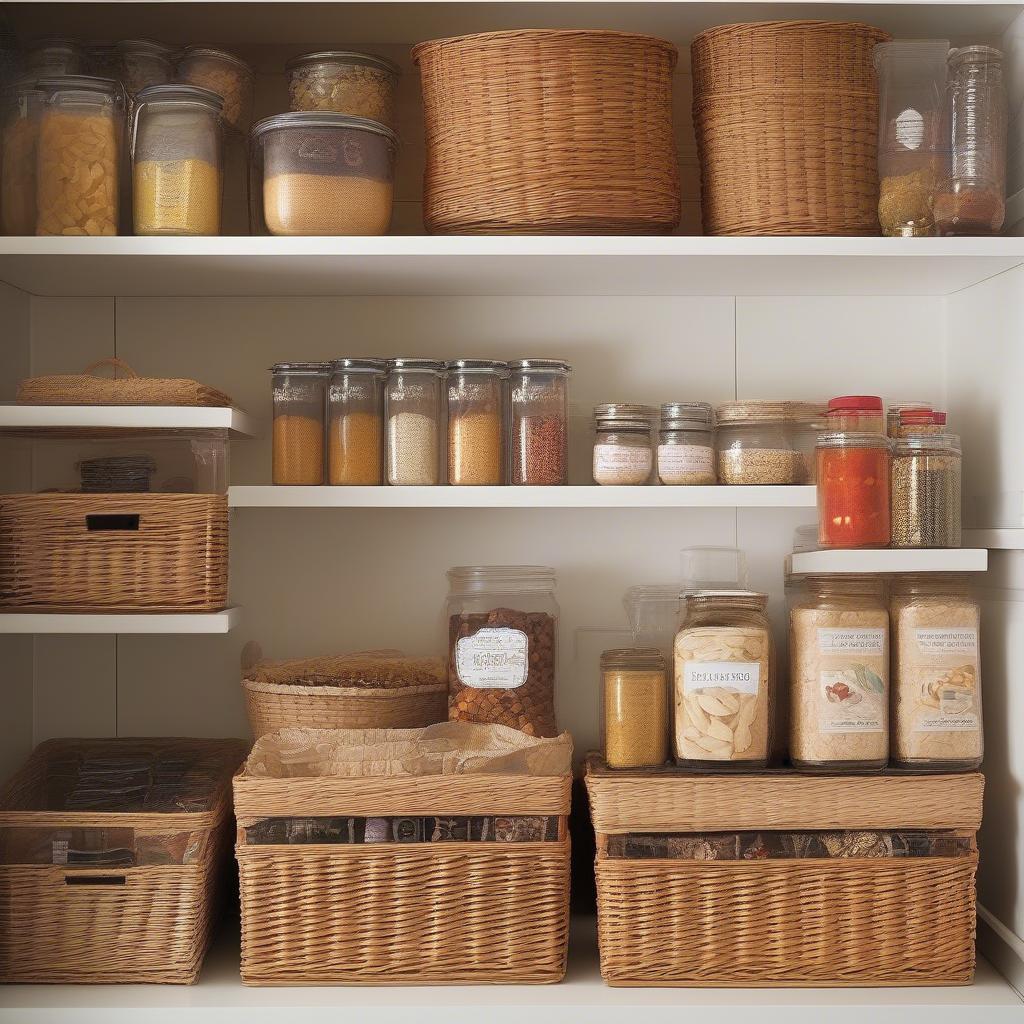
476 421
355 422
298 390
634 708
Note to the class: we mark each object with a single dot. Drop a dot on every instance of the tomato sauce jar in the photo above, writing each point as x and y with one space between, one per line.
853 490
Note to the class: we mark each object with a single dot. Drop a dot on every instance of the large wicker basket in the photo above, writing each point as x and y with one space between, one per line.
532 132
786 118
800 922
114 552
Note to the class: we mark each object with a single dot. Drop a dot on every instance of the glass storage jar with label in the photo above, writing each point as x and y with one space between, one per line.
766 442
724 662
925 492
502 628
23 112
539 401
622 444
853 490
225 74
355 422
476 421
634 708
413 414
937 722
298 390
839 675
343 82
686 445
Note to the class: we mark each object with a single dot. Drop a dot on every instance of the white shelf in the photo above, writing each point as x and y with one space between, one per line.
521 497
1006 539
177 623
43 420
887 560
507 265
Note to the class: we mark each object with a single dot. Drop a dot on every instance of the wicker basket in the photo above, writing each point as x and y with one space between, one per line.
824 922
547 132
114 552
125 923
786 118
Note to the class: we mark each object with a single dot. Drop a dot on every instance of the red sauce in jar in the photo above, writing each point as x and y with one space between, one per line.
853 491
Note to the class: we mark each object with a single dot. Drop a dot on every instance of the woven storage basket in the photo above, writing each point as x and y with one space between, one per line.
786 119
113 552
63 922
825 922
534 132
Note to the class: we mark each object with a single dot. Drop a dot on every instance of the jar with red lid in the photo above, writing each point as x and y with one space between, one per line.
861 413
853 490
914 422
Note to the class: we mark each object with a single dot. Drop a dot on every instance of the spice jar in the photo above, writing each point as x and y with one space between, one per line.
22 116
539 401
853 490
622 444
925 492
177 165
686 445
857 413
634 708
355 422
53 57
937 722
343 82
724 681
839 675
413 412
142 63
763 442
298 390
895 411
476 450
225 74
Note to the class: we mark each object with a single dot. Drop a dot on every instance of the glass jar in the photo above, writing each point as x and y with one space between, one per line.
413 412
142 63
857 413
539 400
81 139
476 421
634 708
225 74
686 445
895 412
53 57
972 201
937 722
914 422
355 422
622 444
853 490
652 611
343 82
177 165
22 117
298 390
502 631
724 662
766 442
925 492
839 675
913 144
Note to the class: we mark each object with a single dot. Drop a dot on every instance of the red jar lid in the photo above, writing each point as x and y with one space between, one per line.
939 418
869 403
920 416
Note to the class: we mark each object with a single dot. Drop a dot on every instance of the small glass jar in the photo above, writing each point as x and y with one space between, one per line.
839 675
53 57
22 117
634 708
622 444
177 161
764 442
413 413
476 421
539 402
344 82
225 74
724 662
925 492
853 490
915 422
686 445
142 63
895 411
861 414
298 390
355 422
936 710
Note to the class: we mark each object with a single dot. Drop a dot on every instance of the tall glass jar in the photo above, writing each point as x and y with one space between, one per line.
839 675
853 490
724 681
413 413
622 444
634 708
539 400
298 390
937 721
925 492
476 421
23 111
686 444
355 422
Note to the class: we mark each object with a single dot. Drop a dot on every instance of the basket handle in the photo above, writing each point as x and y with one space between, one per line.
91 881
117 364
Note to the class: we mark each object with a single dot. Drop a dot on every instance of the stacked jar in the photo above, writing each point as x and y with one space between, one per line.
762 442
539 403
686 445
298 444
622 444
476 422
853 490
355 424
413 414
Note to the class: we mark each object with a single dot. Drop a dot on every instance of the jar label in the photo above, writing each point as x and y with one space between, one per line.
945 701
685 458
954 640
739 676
493 659
616 458
851 699
852 641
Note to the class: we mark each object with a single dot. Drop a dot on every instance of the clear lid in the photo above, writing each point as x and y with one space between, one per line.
147 46
477 366
415 366
927 444
637 659
212 51
852 439
977 54
344 57
746 599
500 579
301 368
713 568
320 120
58 85
620 416
359 365
540 366
756 411
687 416
175 93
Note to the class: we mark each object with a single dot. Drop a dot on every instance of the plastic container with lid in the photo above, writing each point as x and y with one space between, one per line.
925 491
298 391
622 443
225 74
177 161
53 56
321 174
896 410
23 113
634 708
853 490
766 442
344 82
476 421
142 63
539 408
686 444
355 422
413 413
859 413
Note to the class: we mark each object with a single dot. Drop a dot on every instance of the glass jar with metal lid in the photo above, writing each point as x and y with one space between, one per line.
344 82
142 63
634 708
539 406
925 491
22 116
355 422
762 442
298 390
853 490
230 77
622 444
413 413
476 421
686 445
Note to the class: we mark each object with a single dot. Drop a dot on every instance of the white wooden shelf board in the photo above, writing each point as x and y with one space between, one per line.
887 560
37 420
176 623
1006 539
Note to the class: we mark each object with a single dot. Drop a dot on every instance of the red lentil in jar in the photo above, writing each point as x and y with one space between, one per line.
853 490
539 401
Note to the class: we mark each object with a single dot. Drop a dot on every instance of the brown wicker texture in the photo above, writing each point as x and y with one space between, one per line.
548 132
786 119
114 552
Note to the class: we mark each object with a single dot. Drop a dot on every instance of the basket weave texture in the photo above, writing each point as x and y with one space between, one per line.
786 119
143 552
549 132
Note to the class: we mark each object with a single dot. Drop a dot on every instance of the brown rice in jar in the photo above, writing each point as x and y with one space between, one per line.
341 82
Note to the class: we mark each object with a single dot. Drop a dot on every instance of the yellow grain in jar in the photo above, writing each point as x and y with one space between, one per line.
325 204
298 450
177 197
354 451
634 708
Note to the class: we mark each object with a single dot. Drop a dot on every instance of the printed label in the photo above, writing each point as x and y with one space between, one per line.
685 458
946 700
60 851
954 640
851 699
741 676
852 641
494 658
612 458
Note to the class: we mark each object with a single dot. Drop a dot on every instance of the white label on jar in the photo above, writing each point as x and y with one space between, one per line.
741 676
946 701
493 658
954 640
617 459
851 699
685 458
851 641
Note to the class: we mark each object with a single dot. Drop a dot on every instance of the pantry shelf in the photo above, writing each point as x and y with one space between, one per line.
41 421
142 623
886 560
1006 539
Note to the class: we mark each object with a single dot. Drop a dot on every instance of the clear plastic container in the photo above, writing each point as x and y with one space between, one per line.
853 490
23 113
52 57
177 161
355 422
925 492
652 611
413 413
686 444
344 82
299 399
766 442
322 174
913 146
476 421
713 567
857 413
539 403
142 63
622 444
225 74
893 413
634 708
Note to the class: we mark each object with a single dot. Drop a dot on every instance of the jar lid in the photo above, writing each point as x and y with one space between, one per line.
725 597
540 365
359 365
212 51
978 52
624 411
870 403
80 83
924 414
345 57
179 93
301 368
756 411
320 119
477 366
687 416
928 443
852 439
426 365
500 579
649 658
150 46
